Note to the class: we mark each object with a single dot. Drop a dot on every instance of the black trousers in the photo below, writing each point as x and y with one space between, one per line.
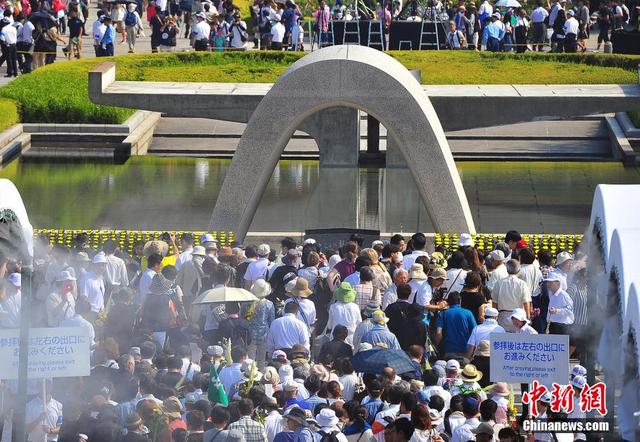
9 52
25 56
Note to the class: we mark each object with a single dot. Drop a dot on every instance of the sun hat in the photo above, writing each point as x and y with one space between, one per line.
249 368
484 428
345 293
563 257
65 275
263 250
271 376
520 315
578 370
333 260
546 398
437 260
100 258
199 251
298 287
82 257
439 370
417 272
465 240
453 364
500 389
377 242
261 288
579 382
497 255
215 350
155 246
440 363
172 407
160 285
286 373
490 312
296 414
438 273
321 371
371 307
327 418
379 317
435 416
15 279
484 348
470 373
553 276
298 351
290 386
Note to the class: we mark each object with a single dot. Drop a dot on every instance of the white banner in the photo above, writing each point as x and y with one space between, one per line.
522 358
53 353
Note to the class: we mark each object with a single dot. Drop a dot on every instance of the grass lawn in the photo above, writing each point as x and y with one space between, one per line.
58 93
8 114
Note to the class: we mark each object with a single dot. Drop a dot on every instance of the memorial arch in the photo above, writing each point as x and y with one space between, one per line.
356 77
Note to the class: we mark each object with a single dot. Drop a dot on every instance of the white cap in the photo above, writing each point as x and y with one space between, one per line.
15 279
579 370
207 237
465 240
490 312
579 382
309 241
563 257
377 242
263 250
497 255
278 353
520 315
65 275
553 276
100 258
571 13
453 364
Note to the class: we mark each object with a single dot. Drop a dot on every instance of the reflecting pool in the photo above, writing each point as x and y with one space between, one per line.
152 193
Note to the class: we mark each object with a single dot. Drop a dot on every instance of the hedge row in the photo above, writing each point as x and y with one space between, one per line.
8 114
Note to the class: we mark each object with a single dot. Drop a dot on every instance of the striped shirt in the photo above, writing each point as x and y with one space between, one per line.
579 297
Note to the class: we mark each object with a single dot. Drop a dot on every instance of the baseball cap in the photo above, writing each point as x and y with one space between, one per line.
579 370
423 397
579 382
520 315
490 312
497 255
553 276
134 351
453 364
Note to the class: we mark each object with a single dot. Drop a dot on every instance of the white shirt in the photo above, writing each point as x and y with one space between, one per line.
349 385
162 4
345 314
481 332
563 304
553 14
98 30
455 281
25 33
78 321
485 7
59 307
53 411
511 293
236 35
145 283
195 368
117 271
409 260
184 257
528 330
392 411
10 311
307 312
9 35
92 287
277 33
539 14
496 275
466 431
285 332
436 390
390 296
201 31
273 424
531 274
230 376
257 269
571 26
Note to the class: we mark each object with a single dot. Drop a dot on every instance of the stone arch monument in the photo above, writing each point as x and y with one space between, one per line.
356 77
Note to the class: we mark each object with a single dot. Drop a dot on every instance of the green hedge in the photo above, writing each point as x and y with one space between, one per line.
58 93
8 114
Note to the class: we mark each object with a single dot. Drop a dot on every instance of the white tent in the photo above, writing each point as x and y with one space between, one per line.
611 209
10 199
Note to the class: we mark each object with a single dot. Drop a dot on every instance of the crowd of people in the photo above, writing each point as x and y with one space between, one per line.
290 365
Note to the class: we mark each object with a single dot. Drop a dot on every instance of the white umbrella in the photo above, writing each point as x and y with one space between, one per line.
225 294
508 4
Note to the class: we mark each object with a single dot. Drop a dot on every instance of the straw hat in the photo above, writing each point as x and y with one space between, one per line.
484 348
298 287
470 373
321 371
417 272
155 246
172 407
261 288
438 261
345 293
438 273
271 376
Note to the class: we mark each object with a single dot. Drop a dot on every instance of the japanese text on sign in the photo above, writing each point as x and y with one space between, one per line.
53 352
523 358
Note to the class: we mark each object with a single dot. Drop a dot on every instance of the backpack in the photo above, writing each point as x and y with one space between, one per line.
130 19
328 437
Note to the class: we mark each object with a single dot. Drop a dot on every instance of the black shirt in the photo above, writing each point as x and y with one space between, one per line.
236 329
337 348
398 312
279 279
75 27
168 36
412 332
472 302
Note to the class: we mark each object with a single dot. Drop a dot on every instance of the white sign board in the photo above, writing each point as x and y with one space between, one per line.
522 358
53 353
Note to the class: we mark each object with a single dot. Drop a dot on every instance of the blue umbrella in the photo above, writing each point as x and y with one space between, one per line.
373 361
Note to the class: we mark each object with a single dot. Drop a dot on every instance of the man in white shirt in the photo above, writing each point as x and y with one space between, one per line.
154 265
277 35
60 304
509 294
9 38
467 430
239 36
419 244
77 320
200 32
186 243
10 302
162 4
499 270
189 368
98 31
259 268
116 274
538 17
564 263
560 311
273 422
287 331
92 285
571 28
485 8
521 323
23 46
43 417
231 375
481 332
